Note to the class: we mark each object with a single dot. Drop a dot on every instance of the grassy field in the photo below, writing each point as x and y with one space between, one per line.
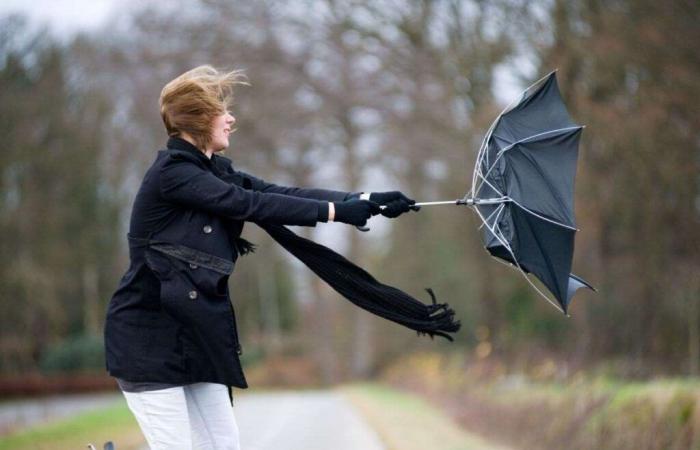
114 424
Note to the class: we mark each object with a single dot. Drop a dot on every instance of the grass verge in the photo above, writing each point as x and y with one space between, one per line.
408 422
579 411
115 423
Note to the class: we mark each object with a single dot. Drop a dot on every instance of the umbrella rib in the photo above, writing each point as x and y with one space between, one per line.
479 173
484 180
496 232
500 233
484 144
520 141
495 211
524 208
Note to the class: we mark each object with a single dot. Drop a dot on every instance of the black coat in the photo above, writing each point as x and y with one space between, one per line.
171 319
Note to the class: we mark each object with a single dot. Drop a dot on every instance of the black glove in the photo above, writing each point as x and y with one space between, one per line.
396 208
396 203
355 212
384 198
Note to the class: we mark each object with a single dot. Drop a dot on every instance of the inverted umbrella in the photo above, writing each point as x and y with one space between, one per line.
523 189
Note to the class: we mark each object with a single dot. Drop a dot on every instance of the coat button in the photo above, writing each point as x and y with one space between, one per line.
207 229
193 266
193 295
239 350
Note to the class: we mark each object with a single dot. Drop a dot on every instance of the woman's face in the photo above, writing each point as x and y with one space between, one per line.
221 128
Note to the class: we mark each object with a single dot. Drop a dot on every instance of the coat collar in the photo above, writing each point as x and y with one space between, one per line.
177 143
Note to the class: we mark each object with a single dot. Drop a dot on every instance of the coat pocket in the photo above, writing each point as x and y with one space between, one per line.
204 273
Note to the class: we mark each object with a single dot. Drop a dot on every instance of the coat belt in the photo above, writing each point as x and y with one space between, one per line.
184 253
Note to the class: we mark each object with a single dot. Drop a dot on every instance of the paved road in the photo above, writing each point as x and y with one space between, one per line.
301 420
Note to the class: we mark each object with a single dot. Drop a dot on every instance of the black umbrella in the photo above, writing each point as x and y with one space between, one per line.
523 189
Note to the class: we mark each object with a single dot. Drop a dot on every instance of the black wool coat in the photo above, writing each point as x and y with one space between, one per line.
171 318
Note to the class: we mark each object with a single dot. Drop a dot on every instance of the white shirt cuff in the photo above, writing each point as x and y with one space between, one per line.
365 195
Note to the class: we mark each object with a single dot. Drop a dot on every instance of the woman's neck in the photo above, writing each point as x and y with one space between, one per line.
189 139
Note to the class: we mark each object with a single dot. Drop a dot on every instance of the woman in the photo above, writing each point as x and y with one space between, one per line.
170 334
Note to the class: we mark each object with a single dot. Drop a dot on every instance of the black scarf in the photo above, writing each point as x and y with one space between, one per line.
362 289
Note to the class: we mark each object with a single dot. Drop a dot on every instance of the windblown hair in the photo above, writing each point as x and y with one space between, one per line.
192 101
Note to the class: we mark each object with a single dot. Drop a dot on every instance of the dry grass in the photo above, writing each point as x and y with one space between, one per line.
580 412
407 422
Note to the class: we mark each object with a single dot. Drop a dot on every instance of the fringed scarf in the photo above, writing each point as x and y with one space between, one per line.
360 287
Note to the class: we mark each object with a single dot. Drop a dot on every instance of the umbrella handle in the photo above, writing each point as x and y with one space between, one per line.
365 228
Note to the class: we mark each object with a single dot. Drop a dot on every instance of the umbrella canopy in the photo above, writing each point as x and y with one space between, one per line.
523 189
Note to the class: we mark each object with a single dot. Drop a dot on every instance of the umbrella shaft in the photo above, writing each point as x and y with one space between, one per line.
448 202
466 201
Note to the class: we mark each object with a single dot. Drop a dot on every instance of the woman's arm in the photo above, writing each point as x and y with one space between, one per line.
185 183
396 203
258 184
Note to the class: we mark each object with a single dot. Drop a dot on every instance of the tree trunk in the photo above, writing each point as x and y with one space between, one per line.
91 313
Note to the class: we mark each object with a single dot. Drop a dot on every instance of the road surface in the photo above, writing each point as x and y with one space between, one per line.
301 420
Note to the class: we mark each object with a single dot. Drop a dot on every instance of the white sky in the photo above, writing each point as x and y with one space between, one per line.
65 16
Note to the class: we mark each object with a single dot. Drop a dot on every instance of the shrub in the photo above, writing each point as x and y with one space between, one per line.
76 354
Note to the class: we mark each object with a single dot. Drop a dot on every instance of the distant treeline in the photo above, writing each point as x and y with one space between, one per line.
363 96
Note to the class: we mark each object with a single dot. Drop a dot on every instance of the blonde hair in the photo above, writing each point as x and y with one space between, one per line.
191 102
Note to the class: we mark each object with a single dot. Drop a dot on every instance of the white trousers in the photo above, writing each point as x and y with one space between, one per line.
194 417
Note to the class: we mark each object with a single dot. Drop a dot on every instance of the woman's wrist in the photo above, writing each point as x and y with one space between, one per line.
331 211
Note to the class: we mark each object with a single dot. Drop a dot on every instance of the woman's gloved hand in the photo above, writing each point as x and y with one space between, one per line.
355 212
397 207
395 202
384 198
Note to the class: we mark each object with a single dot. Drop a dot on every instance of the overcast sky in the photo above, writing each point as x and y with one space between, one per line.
66 16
